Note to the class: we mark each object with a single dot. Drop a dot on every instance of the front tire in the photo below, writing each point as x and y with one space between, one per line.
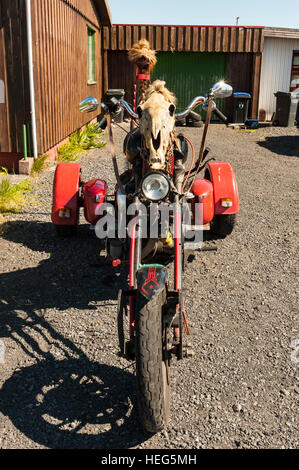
152 372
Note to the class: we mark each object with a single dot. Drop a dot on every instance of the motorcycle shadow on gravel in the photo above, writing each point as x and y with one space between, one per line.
69 402
282 145
73 404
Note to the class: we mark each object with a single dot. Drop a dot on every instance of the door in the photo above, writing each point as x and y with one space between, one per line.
190 74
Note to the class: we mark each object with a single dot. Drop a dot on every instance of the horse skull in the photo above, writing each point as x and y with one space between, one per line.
157 120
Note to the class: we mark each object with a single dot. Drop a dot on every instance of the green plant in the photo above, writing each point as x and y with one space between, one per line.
3 170
14 196
81 141
39 164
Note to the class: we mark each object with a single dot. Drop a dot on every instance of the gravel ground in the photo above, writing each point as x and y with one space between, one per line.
62 384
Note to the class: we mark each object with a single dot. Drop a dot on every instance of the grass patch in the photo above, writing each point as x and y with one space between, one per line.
14 196
39 165
81 141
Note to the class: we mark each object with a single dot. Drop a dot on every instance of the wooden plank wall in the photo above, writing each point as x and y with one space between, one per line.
86 9
186 38
13 70
60 64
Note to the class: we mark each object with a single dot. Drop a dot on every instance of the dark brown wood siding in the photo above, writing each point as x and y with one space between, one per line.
186 38
60 64
13 71
239 76
121 73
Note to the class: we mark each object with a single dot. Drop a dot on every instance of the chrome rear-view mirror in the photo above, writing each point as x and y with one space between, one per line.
88 105
222 90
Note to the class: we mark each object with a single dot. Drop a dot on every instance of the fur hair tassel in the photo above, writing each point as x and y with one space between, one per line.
159 87
142 53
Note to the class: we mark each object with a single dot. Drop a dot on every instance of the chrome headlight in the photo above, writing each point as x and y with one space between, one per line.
155 186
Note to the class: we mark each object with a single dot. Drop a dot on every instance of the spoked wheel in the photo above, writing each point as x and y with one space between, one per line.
152 369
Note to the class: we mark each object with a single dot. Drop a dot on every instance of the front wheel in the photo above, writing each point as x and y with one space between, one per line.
152 370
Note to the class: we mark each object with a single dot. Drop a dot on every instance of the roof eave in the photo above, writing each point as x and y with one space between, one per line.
104 12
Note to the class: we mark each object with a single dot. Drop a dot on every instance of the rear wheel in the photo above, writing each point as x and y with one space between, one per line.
223 224
152 370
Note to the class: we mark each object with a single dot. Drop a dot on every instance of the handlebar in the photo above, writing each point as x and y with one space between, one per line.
220 115
195 102
115 109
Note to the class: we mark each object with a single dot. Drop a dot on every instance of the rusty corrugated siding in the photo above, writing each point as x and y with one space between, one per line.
186 38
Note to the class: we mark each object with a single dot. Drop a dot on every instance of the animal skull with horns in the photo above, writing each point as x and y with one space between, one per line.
157 121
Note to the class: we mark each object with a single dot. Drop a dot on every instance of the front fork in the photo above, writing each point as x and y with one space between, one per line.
135 263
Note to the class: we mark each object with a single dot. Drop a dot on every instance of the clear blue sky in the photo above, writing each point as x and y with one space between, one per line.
284 13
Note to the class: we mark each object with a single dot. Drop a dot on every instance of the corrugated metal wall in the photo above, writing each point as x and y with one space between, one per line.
60 64
276 71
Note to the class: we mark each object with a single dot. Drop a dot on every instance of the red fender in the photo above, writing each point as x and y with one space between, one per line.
66 193
224 183
94 195
204 192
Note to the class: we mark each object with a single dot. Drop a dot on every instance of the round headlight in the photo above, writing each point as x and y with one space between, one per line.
155 186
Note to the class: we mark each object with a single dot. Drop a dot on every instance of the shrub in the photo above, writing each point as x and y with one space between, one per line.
14 196
80 141
39 164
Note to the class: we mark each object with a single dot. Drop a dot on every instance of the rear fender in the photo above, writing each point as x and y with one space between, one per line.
223 178
66 193
151 280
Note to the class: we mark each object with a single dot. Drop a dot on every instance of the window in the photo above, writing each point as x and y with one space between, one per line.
91 77
295 71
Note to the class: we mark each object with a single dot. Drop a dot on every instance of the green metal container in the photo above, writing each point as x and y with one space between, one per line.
190 74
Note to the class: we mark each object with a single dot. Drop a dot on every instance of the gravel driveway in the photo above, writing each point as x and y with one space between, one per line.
62 384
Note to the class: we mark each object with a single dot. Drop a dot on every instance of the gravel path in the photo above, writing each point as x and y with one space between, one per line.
62 384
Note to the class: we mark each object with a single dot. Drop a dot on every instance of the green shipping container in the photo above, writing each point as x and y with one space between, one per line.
190 74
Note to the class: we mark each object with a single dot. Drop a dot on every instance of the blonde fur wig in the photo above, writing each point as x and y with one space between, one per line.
141 52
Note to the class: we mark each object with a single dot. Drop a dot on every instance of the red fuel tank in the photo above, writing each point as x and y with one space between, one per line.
94 195
204 192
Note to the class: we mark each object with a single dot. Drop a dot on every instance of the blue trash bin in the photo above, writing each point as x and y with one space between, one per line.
241 102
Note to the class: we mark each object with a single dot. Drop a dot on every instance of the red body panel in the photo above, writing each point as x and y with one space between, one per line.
204 192
225 186
66 192
95 192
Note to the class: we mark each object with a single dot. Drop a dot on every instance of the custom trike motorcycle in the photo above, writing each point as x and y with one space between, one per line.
158 211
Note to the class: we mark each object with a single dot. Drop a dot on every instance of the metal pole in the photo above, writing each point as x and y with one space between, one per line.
31 77
25 141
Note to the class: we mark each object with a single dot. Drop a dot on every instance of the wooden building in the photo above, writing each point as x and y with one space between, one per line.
280 69
67 65
190 59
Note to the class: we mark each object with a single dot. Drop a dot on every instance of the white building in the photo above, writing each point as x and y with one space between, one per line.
280 67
